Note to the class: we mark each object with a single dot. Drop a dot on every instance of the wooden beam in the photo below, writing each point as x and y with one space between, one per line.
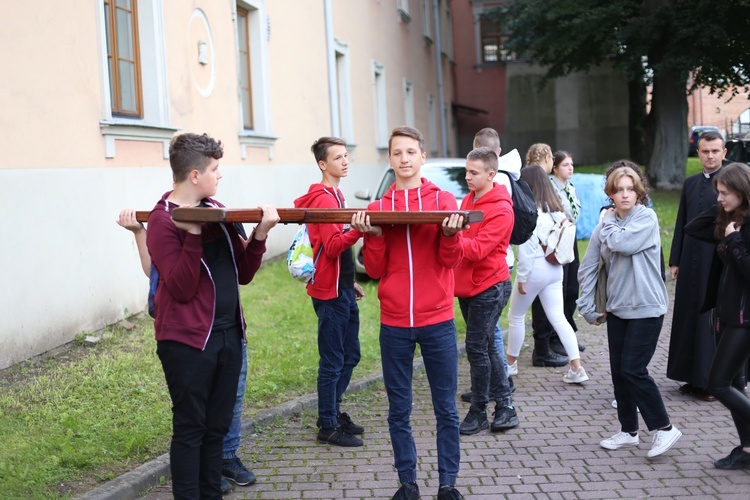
315 215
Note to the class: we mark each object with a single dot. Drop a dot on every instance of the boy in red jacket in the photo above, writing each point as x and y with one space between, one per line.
199 323
415 266
334 295
483 287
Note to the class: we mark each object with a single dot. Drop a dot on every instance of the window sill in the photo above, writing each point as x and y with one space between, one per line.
253 140
405 17
130 130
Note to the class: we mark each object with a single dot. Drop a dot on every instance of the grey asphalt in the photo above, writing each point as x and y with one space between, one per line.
554 453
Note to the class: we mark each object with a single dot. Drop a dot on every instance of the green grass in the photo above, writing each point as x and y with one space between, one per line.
92 413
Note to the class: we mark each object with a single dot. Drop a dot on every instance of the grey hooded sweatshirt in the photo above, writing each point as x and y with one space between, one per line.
631 249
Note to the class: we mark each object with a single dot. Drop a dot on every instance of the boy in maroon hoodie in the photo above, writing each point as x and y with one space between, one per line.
334 295
483 287
415 266
198 321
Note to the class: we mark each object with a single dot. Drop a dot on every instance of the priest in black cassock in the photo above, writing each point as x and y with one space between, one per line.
692 344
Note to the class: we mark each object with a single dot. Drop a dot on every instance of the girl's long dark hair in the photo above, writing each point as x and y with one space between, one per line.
736 178
544 195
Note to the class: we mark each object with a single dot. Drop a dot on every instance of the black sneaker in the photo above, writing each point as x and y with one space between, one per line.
407 491
226 486
338 437
466 397
475 421
345 421
550 359
234 470
504 418
449 492
738 459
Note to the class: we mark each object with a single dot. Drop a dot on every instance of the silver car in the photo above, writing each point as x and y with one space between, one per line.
449 174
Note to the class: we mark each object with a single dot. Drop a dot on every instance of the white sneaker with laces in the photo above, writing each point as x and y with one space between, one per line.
513 369
663 440
575 377
620 440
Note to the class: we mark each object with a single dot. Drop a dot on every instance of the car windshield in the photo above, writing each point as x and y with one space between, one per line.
448 178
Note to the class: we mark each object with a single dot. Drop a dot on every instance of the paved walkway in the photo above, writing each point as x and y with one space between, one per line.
554 453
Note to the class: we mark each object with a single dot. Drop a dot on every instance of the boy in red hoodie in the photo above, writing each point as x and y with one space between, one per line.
334 295
415 266
483 287
198 321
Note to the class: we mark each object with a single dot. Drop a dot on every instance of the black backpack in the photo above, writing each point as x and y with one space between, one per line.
524 210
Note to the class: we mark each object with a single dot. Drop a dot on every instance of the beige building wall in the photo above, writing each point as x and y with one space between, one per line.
69 167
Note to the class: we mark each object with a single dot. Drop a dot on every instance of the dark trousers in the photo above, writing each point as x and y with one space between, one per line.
440 355
543 331
632 343
338 347
203 388
489 379
726 380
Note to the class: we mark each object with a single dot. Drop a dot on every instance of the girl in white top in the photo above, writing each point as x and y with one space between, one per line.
535 276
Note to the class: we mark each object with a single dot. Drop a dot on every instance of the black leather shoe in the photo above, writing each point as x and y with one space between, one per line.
557 347
550 359
466 397
407 491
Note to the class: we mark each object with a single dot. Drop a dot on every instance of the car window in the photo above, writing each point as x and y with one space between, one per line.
451 179
388 179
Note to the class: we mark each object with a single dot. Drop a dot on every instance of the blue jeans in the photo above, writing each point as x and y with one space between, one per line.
232 439
440 354
338 347
632 343
489 378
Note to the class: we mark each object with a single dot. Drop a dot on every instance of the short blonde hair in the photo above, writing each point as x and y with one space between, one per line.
537 153
610 188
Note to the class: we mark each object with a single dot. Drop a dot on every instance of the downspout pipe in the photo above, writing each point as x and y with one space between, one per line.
439 61
333 90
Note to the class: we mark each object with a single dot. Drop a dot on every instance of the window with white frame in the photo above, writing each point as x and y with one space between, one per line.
381 110
426 19
135 101
409 118
432 116
252 76
403 8
448 32
344 88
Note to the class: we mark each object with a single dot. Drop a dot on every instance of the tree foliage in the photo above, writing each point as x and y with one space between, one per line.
665 43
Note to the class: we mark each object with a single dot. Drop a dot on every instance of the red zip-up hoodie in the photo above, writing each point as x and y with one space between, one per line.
186 295
485 243
414 262
325 285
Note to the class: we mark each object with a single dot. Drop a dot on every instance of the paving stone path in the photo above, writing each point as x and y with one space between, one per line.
554 453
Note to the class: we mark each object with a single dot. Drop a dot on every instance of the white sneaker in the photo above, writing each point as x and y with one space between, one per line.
663 440
614 405
513 369
620 440
575 377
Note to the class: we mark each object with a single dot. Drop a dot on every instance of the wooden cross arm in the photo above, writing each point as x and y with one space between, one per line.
315 215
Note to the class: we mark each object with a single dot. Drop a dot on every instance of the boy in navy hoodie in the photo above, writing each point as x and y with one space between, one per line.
334 295
415 266
199 323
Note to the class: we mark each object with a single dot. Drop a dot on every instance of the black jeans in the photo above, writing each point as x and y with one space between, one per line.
726 380
632 343
542 329
489 380
203 388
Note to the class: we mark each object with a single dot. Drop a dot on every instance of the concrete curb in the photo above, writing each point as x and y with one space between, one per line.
135 483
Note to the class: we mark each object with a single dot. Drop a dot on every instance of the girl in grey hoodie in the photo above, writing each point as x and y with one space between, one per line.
627 239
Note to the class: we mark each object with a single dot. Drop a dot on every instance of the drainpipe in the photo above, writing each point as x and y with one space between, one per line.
439 60
333 91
